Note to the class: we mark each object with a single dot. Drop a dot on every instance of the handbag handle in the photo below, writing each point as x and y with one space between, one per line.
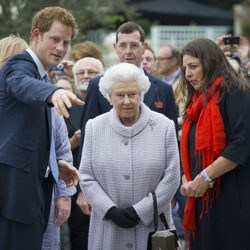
162 216
163 219
155 211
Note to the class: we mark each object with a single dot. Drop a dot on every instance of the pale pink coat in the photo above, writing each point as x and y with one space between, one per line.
120 166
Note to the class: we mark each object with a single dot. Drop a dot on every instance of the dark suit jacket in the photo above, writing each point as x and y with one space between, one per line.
73 124
24 139
159 98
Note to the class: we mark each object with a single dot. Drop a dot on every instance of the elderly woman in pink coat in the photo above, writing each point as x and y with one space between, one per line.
128 153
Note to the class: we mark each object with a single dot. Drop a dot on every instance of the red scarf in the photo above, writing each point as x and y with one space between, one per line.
209 143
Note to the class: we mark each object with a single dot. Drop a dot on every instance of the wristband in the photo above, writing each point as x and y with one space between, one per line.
206 178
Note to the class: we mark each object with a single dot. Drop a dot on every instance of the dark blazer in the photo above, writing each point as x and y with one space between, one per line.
73 124
159 98
24 139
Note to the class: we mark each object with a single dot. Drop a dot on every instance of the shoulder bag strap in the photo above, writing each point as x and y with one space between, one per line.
155 212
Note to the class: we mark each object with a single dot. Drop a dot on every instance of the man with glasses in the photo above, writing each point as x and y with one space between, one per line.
129 46
84 70
168 63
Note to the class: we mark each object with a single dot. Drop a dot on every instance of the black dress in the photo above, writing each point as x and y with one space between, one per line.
227 226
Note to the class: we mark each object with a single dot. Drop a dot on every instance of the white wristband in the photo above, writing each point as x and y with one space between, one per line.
206 178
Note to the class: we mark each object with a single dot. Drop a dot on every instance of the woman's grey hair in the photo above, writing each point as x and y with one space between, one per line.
123 72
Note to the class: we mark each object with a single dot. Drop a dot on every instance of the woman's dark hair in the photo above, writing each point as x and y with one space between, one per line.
214 63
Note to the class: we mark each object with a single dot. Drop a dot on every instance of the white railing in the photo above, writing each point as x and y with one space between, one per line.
181 35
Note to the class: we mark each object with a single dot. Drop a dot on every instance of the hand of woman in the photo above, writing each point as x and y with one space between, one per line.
183 189
123 217
197 187
184 186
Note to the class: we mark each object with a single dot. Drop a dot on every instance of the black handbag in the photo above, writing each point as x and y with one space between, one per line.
161 239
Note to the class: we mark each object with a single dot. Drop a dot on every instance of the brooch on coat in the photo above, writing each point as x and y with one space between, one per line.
152 123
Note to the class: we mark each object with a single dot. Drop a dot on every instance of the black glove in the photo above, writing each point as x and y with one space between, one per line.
123 217
130 211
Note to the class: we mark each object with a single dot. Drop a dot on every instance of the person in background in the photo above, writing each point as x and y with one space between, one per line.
61 196
86 49
25 100
83 71
148 59
10 46
238 54
139 147
168 63
67 83
215 150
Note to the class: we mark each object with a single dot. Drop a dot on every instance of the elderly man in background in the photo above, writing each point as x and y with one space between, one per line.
84 70
168 63
149 59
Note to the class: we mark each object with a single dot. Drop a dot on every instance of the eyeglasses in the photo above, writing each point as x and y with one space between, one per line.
88 72
163 58
132 46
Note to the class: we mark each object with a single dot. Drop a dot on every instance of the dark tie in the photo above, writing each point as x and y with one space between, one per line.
52 156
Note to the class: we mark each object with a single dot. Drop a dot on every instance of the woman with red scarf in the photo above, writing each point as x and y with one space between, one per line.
215 150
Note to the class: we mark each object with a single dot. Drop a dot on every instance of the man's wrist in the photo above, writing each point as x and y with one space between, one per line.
67 197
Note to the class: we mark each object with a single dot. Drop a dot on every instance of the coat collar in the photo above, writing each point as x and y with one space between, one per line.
142 122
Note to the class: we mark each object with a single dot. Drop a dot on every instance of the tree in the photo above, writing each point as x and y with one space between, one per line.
16 15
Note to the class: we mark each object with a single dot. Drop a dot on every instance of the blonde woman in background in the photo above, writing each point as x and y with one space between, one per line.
10 46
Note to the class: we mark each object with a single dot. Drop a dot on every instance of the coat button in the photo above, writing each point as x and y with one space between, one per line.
126 143
126 177
129 245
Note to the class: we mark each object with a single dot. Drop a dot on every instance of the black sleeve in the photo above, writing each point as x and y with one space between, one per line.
236 118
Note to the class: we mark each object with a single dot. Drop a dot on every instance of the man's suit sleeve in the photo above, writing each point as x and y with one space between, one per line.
92 107
22 84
